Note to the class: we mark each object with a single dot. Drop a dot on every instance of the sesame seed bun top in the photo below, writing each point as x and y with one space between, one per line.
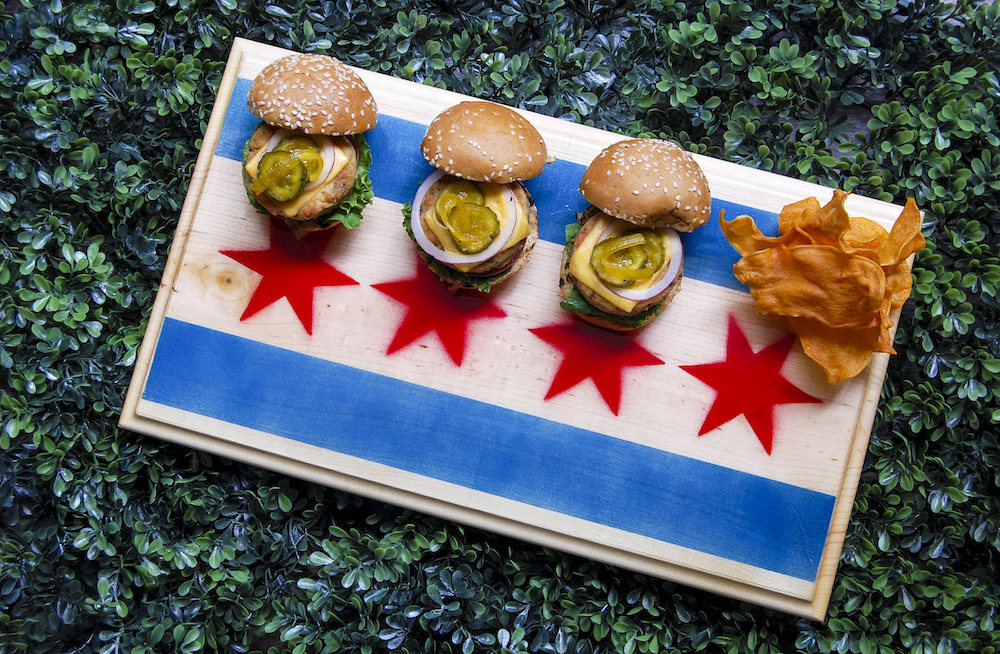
648 182
314 94
484 142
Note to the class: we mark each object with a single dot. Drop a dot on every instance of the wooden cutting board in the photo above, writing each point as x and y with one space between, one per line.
336 359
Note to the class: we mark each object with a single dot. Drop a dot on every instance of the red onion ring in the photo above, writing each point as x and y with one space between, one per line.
668 277
327 151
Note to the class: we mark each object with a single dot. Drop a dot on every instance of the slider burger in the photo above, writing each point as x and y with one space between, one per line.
623 260
472 220
307 163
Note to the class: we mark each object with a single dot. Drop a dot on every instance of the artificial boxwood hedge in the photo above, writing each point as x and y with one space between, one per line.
113 542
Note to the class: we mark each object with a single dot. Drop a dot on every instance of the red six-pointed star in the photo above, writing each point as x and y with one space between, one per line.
291 268
431 307
749 383
590 352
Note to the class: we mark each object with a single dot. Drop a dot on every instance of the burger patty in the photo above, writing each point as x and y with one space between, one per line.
567 282
329 196
502 260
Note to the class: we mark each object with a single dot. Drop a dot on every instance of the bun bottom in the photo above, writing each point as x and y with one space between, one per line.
607 324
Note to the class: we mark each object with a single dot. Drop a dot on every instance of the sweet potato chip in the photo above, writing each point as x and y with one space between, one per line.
834 277
825 225
898 282
842 353
863 234
905 238
815 281
744 235
794 214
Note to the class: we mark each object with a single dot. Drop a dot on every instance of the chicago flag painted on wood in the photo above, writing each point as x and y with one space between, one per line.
704 447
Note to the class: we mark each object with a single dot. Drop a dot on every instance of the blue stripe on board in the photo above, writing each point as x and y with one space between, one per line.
675 499
709 257
399 168
238 124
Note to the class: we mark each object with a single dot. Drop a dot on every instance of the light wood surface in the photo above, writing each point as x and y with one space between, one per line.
821 447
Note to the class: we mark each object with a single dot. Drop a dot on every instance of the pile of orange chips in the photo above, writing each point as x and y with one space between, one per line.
833 277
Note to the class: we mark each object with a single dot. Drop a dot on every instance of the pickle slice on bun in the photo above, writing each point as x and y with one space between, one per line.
307 162
623 260
472 220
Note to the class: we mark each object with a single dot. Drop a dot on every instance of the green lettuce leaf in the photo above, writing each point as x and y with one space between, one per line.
247 181
572 230
577 304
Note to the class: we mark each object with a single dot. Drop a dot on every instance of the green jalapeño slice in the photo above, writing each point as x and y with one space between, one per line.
472 226
453 195
305 150
281 176
629 258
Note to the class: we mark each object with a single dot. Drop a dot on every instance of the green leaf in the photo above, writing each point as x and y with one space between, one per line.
114 541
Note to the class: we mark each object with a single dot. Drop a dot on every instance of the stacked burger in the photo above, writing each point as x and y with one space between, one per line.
307 162
472 220
624 259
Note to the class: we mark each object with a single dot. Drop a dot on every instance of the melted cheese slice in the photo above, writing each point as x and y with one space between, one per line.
583 272
292 207
492 198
